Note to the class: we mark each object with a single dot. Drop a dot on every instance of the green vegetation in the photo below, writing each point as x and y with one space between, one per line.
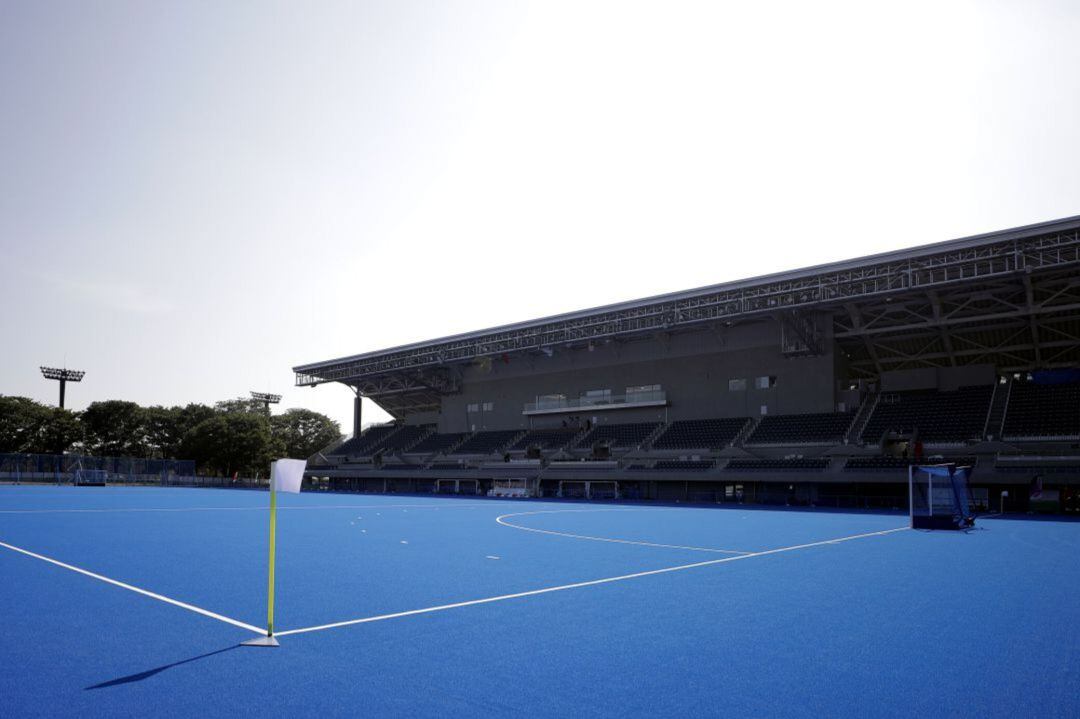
236 435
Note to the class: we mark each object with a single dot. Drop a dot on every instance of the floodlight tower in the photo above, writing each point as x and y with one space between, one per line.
63 376
266 398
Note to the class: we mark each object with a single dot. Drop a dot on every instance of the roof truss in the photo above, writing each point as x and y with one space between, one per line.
926 308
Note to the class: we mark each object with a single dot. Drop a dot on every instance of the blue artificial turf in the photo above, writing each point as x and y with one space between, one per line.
908 623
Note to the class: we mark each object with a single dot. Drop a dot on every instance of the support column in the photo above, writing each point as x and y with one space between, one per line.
357 415
63 386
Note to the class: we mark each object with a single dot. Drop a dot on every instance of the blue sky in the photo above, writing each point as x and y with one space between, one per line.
195 197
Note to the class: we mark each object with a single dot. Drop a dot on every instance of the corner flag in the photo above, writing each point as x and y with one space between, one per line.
286 475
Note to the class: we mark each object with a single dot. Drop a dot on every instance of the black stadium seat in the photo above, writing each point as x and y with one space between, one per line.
807 464
894 463
939 417
437 443
487 442
685 465
545 439
619 435
822 428
1042 411
700 433
404 438
366 443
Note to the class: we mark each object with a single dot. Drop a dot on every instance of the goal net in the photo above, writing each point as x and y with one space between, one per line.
90 477
457 486
603 490
571 490
513 488
591 489
939 497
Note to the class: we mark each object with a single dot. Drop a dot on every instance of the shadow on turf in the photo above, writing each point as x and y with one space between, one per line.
157 670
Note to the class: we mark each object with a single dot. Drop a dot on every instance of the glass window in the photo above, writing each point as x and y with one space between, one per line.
765 382
643 393
596 396
736 385
473 408
489 406
550 401
643 388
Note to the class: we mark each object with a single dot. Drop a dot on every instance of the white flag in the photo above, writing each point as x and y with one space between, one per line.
287 474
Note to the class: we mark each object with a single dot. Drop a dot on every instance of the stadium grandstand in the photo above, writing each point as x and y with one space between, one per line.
813 387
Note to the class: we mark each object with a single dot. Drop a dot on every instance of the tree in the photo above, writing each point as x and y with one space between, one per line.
235 435
20 418
160 427
166 426
191 414
231 442
56 433
303 432
115 428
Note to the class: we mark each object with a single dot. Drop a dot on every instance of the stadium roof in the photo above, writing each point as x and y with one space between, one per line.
884 306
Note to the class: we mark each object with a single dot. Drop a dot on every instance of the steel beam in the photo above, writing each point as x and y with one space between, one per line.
957 265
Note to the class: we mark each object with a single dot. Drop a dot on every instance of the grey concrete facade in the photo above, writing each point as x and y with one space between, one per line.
693 369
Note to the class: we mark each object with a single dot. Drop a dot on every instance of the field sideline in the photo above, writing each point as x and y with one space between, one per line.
117 599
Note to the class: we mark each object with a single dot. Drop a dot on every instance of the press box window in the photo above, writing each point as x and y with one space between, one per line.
736 385
643 393
596 396
550 401
765 382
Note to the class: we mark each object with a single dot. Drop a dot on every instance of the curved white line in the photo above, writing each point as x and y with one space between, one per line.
578 585
604 539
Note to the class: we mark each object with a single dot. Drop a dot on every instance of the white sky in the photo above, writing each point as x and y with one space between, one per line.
195 197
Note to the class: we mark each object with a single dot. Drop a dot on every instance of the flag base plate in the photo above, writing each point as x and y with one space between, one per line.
261 642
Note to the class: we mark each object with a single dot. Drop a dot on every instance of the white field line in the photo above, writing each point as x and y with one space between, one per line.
578 585
137 590
501 520
235 509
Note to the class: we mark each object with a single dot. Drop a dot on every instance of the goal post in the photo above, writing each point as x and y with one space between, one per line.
603 490
939 496
516 487
588 489
90 478
457 486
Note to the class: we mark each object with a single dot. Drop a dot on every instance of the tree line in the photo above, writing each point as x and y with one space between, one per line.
233 436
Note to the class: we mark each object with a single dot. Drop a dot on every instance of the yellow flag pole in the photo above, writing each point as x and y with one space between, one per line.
268 640
273 541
